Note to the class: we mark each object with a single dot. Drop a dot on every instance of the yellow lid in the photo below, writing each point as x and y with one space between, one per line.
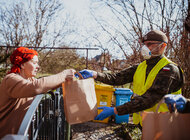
104 87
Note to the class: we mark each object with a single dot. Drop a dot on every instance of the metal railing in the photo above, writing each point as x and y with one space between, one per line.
45 119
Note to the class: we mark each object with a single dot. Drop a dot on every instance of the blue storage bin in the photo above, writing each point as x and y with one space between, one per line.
123 95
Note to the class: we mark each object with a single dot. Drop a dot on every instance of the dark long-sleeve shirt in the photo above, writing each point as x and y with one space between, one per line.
166 81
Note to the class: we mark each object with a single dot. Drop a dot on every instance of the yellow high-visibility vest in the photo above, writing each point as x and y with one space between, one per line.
140 86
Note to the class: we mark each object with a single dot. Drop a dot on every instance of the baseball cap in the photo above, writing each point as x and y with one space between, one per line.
155 35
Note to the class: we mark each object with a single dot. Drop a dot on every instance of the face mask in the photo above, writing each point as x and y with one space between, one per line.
146 53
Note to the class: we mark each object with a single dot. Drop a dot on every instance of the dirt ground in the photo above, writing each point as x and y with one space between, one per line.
105 131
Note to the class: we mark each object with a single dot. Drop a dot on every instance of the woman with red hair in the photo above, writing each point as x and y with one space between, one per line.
19 87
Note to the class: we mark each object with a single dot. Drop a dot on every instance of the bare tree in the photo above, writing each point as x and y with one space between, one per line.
61 59
135 18
32 23
29 23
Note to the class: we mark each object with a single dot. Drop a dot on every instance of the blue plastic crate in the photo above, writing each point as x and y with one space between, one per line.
123 95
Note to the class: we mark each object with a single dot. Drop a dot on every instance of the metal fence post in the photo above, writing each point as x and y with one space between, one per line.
68 131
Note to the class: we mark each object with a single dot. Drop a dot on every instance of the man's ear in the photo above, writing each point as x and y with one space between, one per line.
164 44
163 47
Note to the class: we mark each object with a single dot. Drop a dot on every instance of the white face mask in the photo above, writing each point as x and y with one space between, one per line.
146 53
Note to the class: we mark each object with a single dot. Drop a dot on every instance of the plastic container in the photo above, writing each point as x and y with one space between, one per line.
123 95
104 95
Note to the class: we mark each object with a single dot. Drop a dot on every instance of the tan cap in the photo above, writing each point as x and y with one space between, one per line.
155 35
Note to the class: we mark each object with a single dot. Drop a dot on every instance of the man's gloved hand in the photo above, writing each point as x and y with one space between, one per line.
179 100
107 111
85 73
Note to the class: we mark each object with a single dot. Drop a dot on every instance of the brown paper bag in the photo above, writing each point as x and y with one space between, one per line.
165 126
80 103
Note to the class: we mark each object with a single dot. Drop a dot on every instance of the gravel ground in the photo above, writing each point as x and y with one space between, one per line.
104 131
94 131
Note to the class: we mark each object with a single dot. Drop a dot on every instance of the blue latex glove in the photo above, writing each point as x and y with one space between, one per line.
85 73
179 100
107 111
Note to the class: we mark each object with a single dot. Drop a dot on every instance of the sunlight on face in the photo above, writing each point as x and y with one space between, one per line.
154 46
31 67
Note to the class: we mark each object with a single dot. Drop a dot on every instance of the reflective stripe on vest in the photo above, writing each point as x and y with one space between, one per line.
140 86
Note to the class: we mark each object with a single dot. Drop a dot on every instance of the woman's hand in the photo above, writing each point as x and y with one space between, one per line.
70 73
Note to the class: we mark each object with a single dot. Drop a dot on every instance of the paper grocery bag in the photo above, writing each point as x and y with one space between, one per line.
80 103
165 126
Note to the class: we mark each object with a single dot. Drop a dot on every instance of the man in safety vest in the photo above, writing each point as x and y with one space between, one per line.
182 104
152 79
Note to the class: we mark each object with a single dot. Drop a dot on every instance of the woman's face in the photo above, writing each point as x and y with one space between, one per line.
31 67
